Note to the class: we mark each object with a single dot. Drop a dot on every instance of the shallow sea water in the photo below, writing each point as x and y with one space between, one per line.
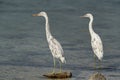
24 52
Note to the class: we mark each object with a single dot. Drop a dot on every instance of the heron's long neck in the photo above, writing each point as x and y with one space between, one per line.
90 26
48 33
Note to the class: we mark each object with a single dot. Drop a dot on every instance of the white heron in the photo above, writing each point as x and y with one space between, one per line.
96 41
54 46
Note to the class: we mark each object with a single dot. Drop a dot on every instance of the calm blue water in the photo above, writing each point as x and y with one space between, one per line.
24 52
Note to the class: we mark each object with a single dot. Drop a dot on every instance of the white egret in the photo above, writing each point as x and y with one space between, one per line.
54 45
96 41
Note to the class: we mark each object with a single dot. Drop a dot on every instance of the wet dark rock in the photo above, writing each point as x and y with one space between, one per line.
59 75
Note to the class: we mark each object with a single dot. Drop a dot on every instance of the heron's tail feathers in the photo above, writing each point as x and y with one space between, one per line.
100 56
62 59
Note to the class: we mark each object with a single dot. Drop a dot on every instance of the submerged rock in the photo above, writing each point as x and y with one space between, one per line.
97 76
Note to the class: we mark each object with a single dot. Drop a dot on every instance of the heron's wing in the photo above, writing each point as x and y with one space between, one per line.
55 48
97 46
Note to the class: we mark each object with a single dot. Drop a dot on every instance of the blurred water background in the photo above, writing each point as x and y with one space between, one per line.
24 52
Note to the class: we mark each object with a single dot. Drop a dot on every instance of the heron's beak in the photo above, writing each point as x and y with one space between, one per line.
34 14
83 16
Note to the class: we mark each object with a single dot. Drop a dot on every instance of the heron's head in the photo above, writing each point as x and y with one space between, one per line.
87 15
40 14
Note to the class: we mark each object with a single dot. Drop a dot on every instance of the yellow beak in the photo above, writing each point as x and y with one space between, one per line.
34 14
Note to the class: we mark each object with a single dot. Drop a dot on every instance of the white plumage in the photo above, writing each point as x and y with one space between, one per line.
56 49
96 41
54 45
97 46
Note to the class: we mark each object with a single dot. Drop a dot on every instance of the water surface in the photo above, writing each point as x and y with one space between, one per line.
24 52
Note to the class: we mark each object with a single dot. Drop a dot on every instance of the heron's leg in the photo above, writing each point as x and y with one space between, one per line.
60 66
100 64
54 65
95 61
